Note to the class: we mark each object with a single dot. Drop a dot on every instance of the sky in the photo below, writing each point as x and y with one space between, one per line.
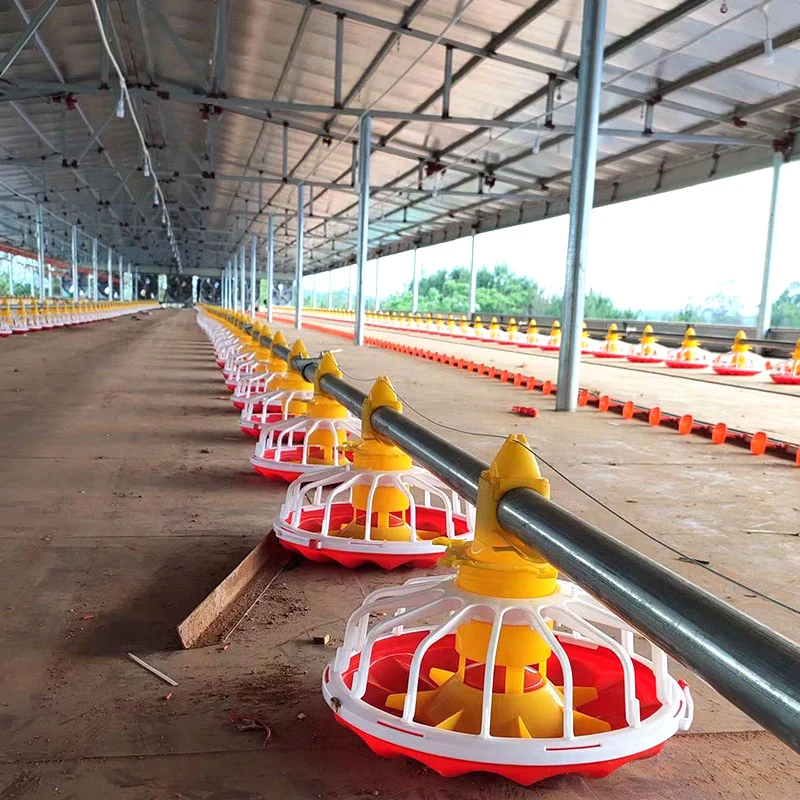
656 253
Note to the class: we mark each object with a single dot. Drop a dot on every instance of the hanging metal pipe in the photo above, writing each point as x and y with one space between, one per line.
746 662
243 278
415 286
110 270
270 264
377 284
74 259
94 270
253 243
473 277
40 250
362 240
765 307
581 198
298 267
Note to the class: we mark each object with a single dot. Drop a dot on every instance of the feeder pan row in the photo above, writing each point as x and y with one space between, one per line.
31 316
541 682
379 509
739 361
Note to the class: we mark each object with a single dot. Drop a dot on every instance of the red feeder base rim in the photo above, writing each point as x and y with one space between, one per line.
743 373
687 364
452 754
305 538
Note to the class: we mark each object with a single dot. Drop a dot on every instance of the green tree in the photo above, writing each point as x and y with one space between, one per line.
498 291
786 309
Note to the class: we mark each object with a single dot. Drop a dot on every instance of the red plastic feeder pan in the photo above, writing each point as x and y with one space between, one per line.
339 514
391 684
300 445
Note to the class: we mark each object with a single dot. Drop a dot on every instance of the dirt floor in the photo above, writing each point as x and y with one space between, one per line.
126 495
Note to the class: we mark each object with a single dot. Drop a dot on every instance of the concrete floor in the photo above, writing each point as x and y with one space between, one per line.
127 495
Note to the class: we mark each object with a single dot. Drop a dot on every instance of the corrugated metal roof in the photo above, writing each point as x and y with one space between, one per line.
215 92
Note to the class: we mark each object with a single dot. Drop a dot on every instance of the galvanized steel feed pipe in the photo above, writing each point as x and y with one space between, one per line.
755 668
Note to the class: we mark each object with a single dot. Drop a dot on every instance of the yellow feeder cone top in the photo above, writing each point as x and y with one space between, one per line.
276 363
512 326
739 350
555 328
648 336
524 703
477 325
324 444
464 323
323 406
612 334
795 354
292 380
740 344
690 338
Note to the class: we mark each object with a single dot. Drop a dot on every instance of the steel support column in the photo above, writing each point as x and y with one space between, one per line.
314 291
235 282
74 259
110 267
11 258
350 287
765 306
94 270
270 263
243 277
330 289
581 199
362 240
253 244
377 285
121 282
415 286
298 268
40 250
473 277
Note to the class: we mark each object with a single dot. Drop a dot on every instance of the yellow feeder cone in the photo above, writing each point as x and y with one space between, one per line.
494 328
613 346
788 372
739 360
524 703
532 335
554 339
689 355
310 442
647 351
478 331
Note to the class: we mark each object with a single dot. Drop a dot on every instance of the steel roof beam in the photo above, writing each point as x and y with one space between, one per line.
408 15
32 26
179 46
495 43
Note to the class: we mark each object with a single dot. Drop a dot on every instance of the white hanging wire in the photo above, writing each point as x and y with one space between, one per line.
123 86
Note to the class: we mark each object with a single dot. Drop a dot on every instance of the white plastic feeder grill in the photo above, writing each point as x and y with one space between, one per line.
381 509
739 360
300 445
501 667
334 515
310 442
386 676
788 372
287 393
